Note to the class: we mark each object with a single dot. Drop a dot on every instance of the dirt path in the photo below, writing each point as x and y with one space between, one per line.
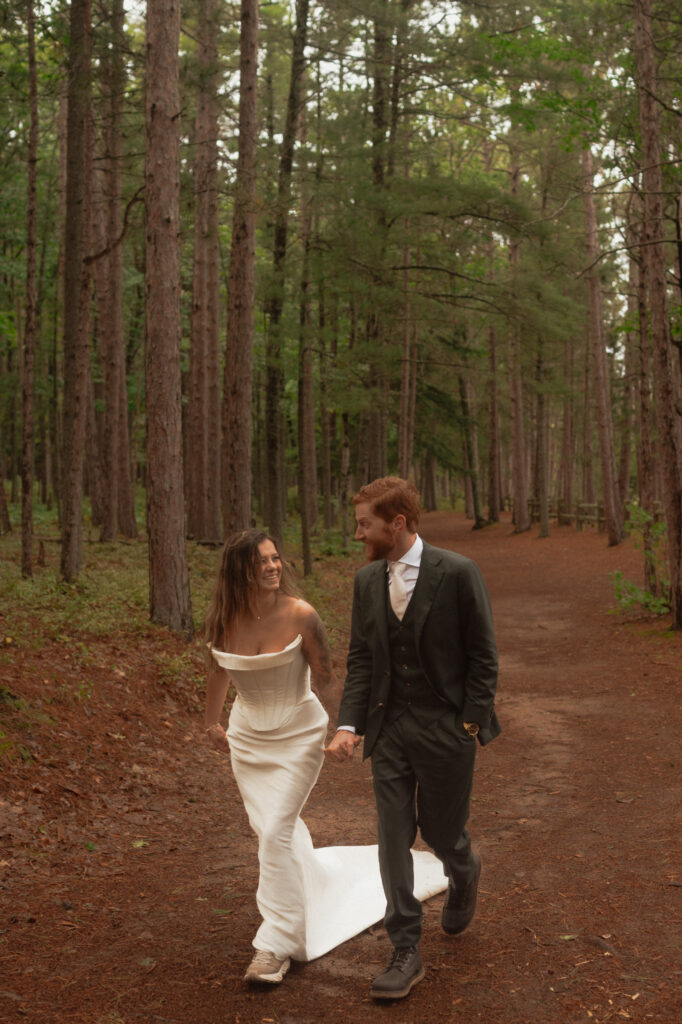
129 868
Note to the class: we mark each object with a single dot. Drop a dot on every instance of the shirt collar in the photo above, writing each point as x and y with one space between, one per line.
414 555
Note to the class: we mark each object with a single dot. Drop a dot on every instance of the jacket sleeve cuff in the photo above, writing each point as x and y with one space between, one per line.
475 713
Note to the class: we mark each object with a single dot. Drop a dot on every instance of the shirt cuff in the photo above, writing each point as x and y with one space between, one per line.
346 728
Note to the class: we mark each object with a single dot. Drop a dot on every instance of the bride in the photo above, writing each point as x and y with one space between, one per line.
267 642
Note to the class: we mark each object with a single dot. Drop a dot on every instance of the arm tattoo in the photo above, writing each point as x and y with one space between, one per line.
318 653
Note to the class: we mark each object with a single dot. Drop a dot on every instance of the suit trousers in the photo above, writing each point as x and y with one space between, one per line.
422 773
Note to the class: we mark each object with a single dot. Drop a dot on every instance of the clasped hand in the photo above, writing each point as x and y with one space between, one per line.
342 746
217 738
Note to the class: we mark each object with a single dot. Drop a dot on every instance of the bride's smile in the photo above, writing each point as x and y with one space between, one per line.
270 566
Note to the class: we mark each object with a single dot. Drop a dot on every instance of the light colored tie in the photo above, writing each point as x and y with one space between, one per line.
397 591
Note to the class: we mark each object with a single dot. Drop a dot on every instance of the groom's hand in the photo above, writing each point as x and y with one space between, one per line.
342 746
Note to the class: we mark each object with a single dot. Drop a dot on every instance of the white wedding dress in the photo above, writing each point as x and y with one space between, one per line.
310 899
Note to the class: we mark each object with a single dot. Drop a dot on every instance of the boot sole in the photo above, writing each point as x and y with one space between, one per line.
402 992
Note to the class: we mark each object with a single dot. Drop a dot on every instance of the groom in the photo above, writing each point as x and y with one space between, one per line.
420 687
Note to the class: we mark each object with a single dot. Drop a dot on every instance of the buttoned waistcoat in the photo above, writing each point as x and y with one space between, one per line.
454 635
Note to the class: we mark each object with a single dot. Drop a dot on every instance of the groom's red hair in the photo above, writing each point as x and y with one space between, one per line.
391 496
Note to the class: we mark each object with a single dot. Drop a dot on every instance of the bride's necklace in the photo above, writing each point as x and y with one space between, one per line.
267 611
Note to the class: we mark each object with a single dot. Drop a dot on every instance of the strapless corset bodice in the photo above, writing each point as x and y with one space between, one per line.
269 686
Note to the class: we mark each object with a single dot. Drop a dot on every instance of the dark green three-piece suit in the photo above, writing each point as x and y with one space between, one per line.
409 687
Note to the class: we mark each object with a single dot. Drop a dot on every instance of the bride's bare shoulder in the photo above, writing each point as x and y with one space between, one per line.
300 613
302 607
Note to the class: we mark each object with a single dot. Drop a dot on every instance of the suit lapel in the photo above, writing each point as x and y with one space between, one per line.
377 594
428 582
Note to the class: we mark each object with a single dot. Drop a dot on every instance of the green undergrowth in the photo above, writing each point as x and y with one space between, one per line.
67 637
110 598
629 595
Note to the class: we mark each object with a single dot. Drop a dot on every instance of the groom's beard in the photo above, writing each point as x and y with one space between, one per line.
379 548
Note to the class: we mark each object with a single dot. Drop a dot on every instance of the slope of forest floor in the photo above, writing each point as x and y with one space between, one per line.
128 870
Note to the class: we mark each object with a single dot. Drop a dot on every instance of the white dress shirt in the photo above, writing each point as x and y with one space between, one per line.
412 559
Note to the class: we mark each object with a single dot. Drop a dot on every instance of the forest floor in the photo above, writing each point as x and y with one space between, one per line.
128 870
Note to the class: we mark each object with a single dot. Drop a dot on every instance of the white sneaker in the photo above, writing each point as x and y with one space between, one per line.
266 967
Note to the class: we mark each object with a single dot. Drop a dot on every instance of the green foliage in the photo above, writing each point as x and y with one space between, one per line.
22 717
469 91
110 597
629 596
189 667
650 537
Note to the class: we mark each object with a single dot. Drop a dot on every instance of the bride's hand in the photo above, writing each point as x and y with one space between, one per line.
217 738
342 746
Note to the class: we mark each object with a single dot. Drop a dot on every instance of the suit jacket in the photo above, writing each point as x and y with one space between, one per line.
455 640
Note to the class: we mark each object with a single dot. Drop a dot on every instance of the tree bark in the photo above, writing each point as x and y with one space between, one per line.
238 390
202 463
628 396
274 440
123 469
106 452
307 461
567 456
405 367
588 486
169 594
646 469
494 483
93 475
327 417
5 522
377 412
667 416
613 508
108 271
542 445
76 289
471 453
27 456
519 471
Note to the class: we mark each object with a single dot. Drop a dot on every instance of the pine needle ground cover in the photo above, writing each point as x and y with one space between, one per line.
128 868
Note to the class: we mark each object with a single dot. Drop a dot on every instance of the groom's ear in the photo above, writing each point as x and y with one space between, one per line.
398 522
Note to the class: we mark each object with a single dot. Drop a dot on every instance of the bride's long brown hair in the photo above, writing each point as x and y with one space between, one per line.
236 584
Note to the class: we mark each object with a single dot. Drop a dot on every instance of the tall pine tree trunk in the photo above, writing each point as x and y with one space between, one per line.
274 434
628 397
667 415
542 444
405 365
646 467
470 449
27 404
376 414
103 272
237 392
76 289
123 468
494 482
519 470
613 508
307 461
327 417
94 477
588 487
202 463
567 456
115 453
169 594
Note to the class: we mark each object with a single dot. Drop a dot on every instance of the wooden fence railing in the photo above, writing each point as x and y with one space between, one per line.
581 514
